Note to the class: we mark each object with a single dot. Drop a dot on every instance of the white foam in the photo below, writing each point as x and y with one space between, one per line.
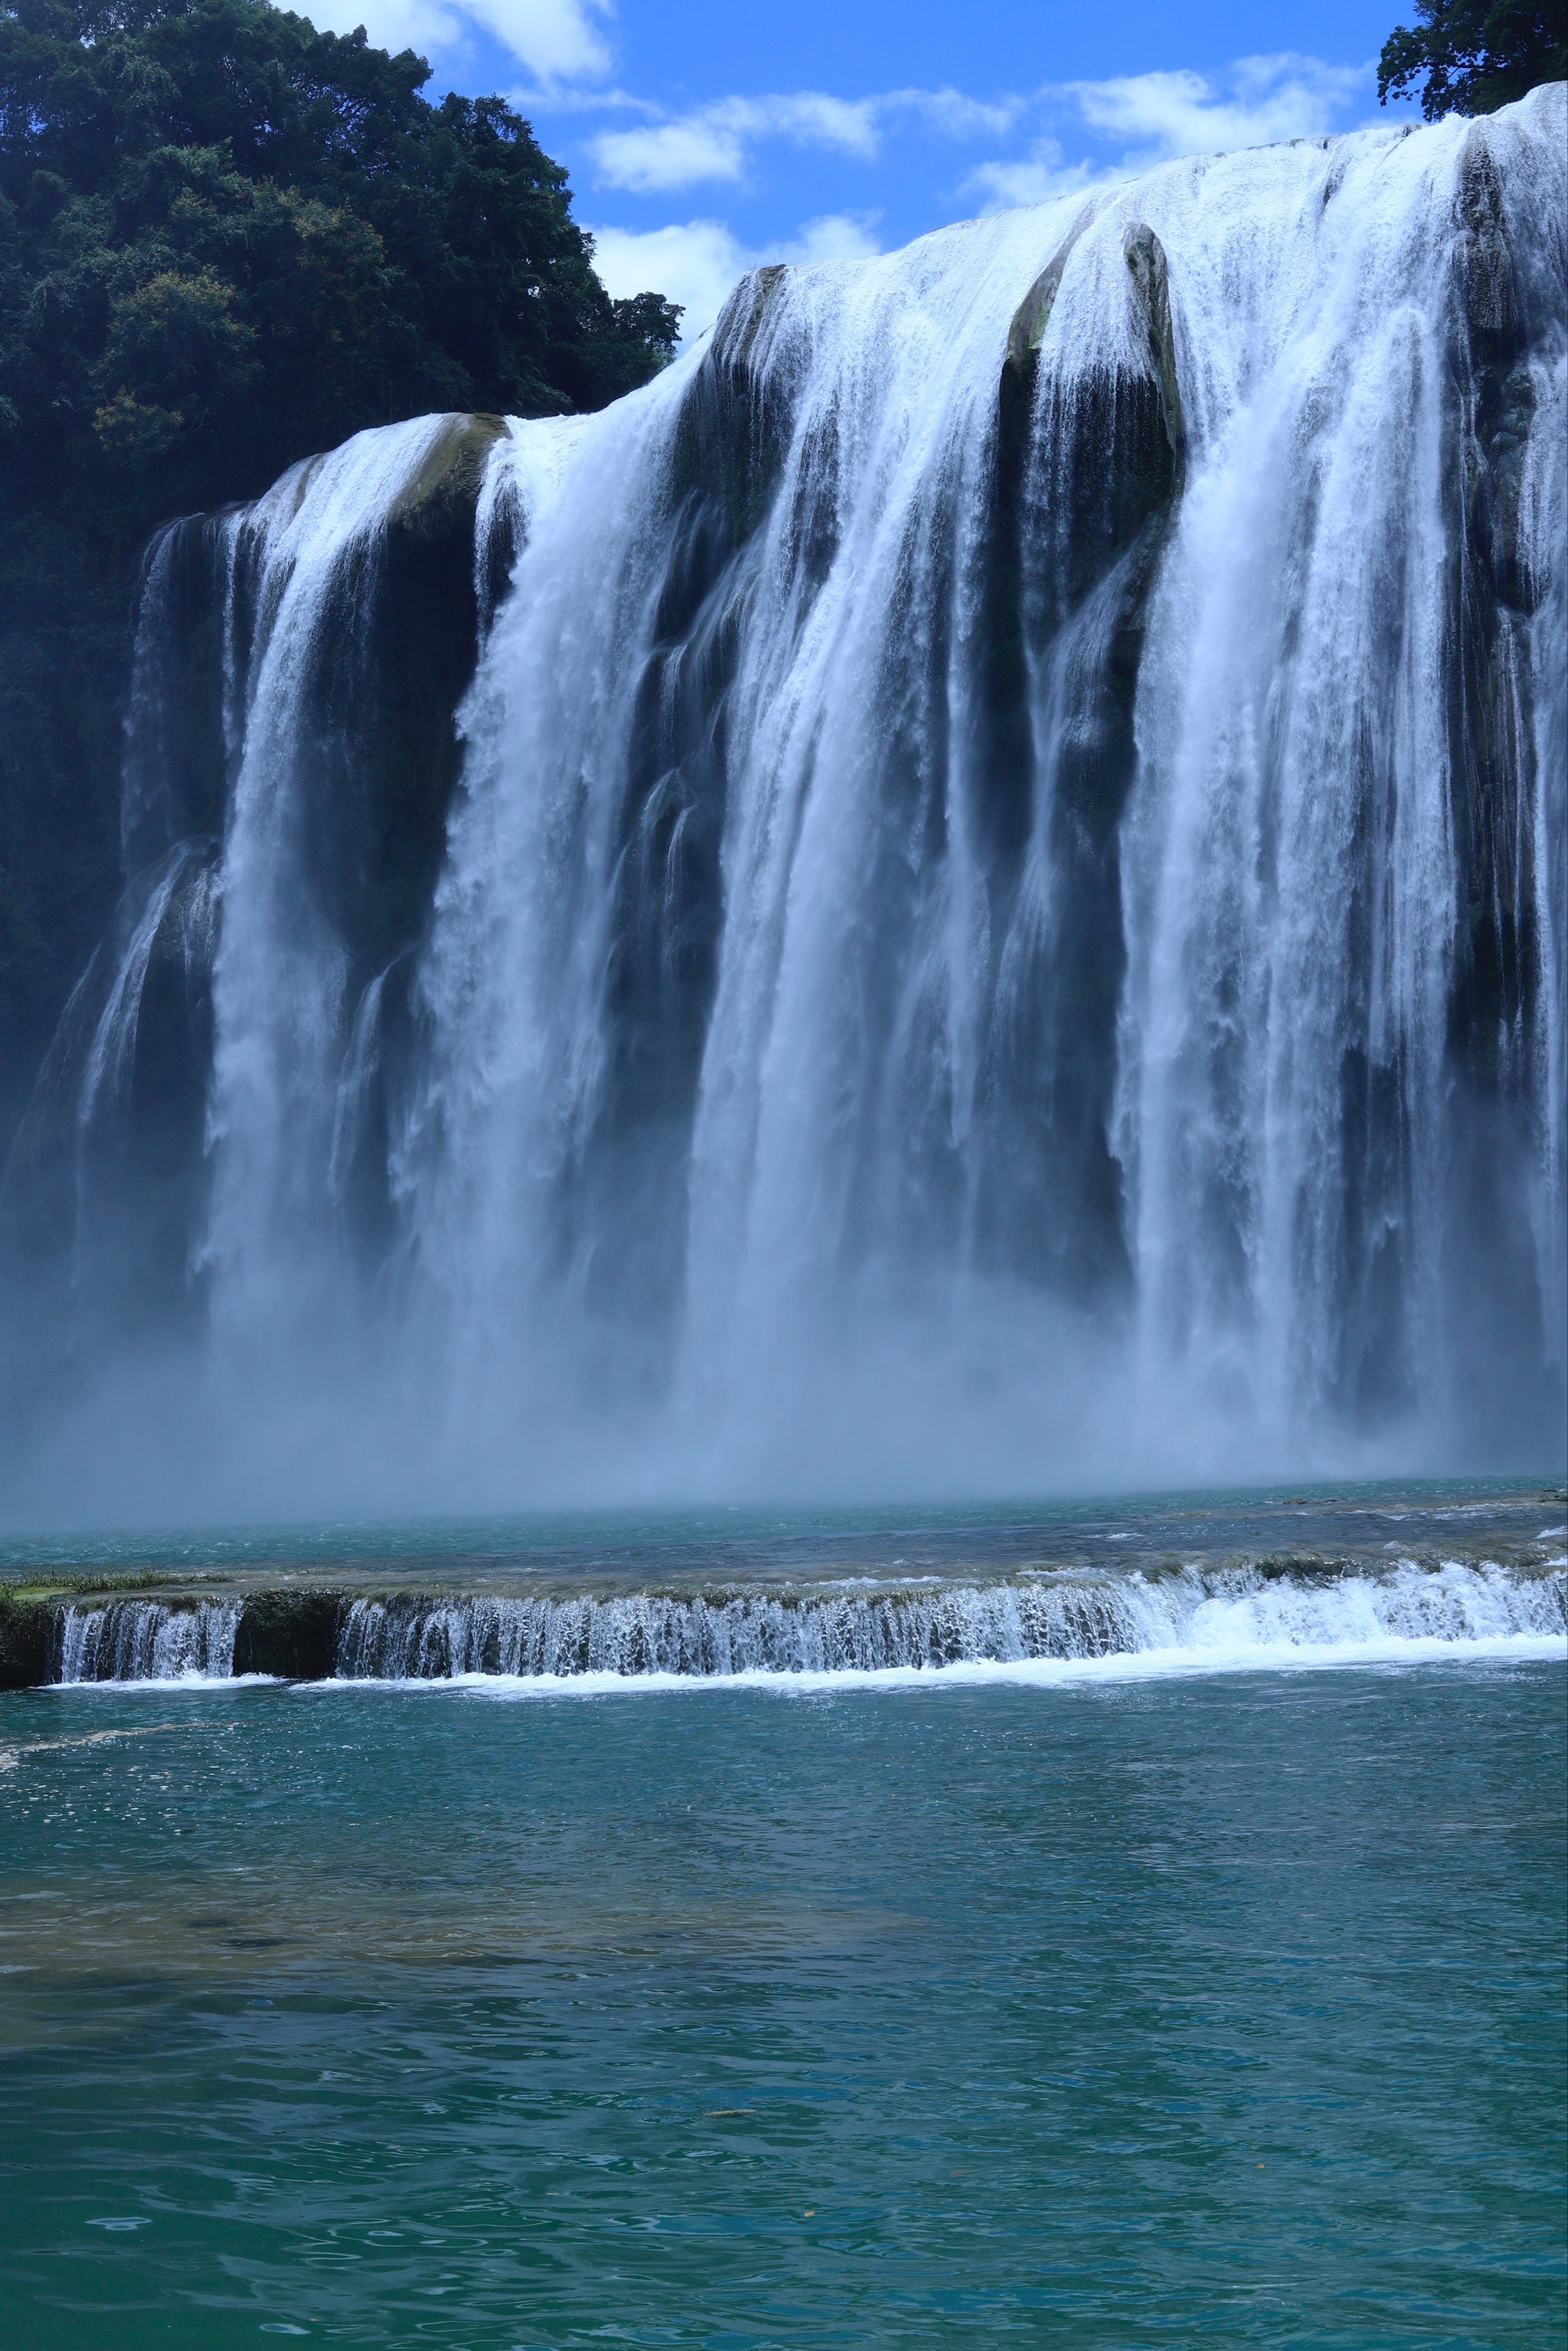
1036 1673
165 1683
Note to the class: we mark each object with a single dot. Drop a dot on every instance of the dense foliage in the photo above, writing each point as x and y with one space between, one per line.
1475 55
226 240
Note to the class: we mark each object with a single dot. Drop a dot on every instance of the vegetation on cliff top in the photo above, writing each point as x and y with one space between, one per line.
1475 55
226 241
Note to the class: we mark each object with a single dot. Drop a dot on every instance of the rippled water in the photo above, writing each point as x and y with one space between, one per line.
623 1549
1215 2011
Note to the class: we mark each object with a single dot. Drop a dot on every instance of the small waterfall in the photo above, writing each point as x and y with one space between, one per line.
1220 1611
1244 1615
111 1051
740 1634
105 1183
147 1641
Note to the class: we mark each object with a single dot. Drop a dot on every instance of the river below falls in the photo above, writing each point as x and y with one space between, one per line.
1212 2010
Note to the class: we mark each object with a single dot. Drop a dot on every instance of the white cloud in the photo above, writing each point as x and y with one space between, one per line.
558 40
1032 178
1286 96
714 142
1147 117
697 263
669 155
951 112
588 97
1153 117
391 23
1125 124
832 236
711 142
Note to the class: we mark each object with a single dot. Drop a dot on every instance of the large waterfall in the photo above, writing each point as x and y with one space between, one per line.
967 890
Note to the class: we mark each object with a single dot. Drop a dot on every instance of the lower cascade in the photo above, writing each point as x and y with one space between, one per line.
1190 1615
968 887
1193 1610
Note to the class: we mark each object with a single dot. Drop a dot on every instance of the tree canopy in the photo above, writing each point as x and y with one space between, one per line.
226 241
1475 55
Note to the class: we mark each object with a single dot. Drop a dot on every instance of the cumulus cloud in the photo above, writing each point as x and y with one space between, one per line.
1152 117
558 40
1261 99
1031 178
714 142
1140 118
696 263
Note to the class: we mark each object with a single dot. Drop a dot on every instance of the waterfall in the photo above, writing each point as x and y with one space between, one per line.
1193 1611
103 1187
1181 1616
291 978
1299 884
813 960
145 1641
966 889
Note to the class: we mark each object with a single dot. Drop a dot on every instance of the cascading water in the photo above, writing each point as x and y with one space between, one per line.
1225 1614
143 1641
1180 1617
1001 915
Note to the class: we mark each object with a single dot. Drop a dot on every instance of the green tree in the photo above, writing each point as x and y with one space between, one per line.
226 241
1475 55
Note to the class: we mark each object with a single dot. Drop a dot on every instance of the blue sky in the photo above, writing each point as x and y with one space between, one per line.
701 138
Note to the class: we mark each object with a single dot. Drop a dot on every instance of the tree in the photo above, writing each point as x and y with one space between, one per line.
265 238
1476 55
226 241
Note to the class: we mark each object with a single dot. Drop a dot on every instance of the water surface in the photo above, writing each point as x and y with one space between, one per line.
1207 2011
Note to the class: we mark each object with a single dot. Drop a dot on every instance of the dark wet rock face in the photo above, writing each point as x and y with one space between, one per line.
396 663
27 1641
293 1635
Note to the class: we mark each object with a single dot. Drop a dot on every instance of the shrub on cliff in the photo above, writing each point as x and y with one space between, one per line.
1475 55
